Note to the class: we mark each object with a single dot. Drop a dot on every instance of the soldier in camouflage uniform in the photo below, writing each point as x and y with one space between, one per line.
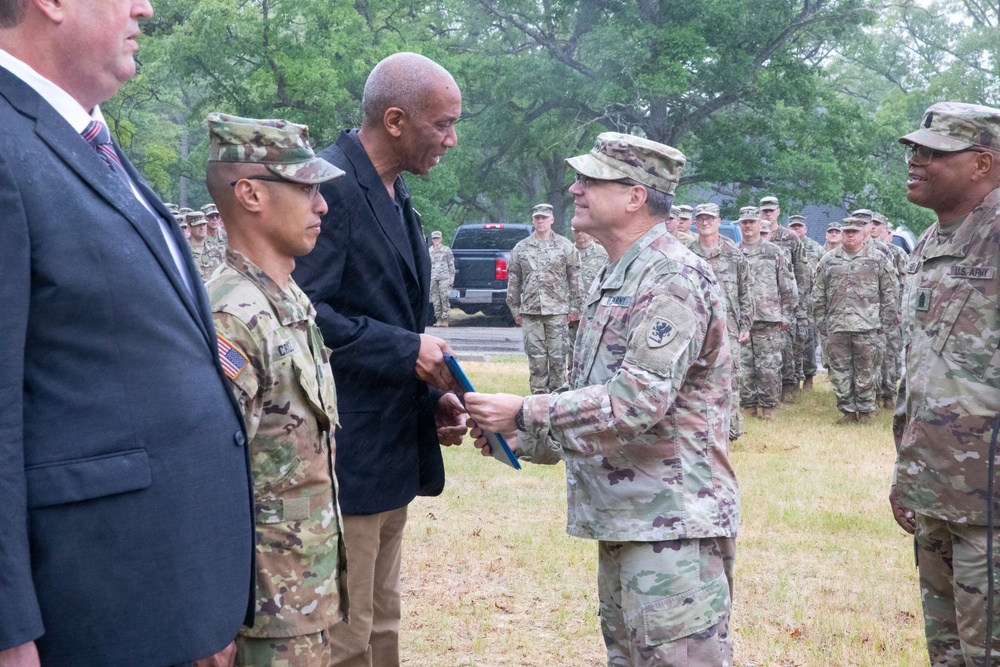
854 298
273 353
679 223
643 429
206 256
442 278
950 397
833 236
185 230
774 310
216 233
544 294
801 280
592 259
732 271
891 364
813 252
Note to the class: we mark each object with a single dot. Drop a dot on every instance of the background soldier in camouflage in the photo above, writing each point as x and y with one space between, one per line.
592 259
273 353
681 223
833 232
774 310
643 429
891 363
206 256
544 294
950 397
185 230
732 271
854 298
812 252
442 278
216 233
801 280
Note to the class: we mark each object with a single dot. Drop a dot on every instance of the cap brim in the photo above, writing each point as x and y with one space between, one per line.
316 170
935 141
588 166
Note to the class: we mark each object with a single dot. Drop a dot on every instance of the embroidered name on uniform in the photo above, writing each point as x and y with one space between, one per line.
661 332
285 349
923 299
620 301
974 272
233 361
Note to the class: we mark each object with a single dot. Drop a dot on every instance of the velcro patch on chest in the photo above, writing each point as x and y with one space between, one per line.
285 349
232 359
617 301
973 272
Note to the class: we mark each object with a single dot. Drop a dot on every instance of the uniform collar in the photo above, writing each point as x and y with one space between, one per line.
291 305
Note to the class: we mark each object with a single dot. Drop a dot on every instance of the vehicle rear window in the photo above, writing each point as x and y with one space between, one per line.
487 239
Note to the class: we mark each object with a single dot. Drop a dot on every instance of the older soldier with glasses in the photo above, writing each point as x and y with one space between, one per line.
950 398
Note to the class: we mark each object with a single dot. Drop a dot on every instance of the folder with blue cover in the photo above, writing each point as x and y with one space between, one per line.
498 444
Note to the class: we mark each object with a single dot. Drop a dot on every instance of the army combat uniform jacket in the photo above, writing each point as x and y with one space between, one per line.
855 294
273 353
774 294
592 259
644 427
207 257
442 264
544 277
732 270
951 397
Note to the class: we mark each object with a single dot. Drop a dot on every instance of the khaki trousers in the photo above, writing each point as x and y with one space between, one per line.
374 548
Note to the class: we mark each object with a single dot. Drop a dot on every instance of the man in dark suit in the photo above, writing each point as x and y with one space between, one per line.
369 278
126 529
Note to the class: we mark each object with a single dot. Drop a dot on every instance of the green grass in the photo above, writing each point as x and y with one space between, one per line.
824 576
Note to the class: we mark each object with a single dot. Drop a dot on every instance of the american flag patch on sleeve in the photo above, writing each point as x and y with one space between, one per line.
233 361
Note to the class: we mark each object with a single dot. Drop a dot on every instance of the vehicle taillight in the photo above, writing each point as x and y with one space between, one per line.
492 226
501 269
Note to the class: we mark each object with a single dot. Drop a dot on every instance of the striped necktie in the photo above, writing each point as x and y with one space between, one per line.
98 136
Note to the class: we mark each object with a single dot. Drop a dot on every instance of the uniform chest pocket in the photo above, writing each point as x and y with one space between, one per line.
969 332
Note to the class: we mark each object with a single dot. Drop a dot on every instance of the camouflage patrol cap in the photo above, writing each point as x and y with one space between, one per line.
749 213
675 211
796 220
707 209
542 209
210 209
195 218
953 126
686 212
880 219
171 207
768 203
616 156
834 226
281 146
436 235
864 214
179 217
852 223
184 210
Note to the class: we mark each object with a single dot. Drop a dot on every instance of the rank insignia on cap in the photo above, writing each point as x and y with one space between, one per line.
661 332
233 361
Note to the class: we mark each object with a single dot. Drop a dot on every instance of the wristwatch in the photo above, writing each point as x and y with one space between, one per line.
519 420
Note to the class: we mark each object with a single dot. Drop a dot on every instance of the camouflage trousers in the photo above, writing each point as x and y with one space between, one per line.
790 355
853 366
806 337
312 650
440 293
889 368
572 329
735 414
762 366
666 603
545 344
951 560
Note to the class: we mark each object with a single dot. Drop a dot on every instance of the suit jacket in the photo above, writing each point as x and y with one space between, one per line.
126 528
369 278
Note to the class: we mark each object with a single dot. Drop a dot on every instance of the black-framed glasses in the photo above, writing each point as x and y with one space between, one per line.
587 181
921 156
311 189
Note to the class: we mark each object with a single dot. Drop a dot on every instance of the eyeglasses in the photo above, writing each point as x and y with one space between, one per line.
311 189
587 181
921 156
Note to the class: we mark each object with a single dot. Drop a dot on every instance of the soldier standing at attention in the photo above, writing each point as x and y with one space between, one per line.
774 310
813 252
890 371
950 397
801 281
854 300
681 228
216 234
266 178
185 230
206 256
732 271
442 278
592 259
833 232
643 429
544 295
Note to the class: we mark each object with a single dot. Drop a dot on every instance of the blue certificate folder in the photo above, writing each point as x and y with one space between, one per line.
498 445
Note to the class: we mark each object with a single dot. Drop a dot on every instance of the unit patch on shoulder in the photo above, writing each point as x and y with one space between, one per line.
661 331
233 361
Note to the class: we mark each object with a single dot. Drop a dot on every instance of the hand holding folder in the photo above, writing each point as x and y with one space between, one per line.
499 448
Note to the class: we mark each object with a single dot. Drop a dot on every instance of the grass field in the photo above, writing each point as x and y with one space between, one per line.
824 577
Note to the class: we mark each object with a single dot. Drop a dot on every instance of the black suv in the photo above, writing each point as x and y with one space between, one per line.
481 255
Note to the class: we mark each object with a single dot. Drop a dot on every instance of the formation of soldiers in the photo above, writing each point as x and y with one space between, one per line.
205 234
